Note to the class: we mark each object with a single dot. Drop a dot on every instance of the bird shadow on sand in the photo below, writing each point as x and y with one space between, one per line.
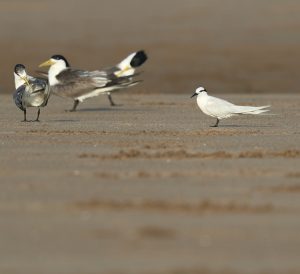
64 120
112 109
244 126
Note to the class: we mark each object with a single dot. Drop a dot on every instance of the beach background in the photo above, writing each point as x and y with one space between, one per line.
233 46
148 187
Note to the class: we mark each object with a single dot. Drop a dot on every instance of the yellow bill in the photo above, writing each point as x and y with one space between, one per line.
25 79
48 63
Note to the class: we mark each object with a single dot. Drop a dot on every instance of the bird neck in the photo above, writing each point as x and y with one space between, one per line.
55 70
18 81
202 96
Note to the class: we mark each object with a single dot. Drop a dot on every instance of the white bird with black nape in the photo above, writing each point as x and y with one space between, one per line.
221 109
30 91
82 84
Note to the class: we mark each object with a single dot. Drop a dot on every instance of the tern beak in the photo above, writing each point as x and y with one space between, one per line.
194 95
48 63
25 79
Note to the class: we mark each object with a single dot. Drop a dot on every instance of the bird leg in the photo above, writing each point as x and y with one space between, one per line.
217 123
38 115
112 103
24 116
76 102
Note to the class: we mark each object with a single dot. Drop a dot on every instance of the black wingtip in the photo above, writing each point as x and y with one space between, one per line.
139 59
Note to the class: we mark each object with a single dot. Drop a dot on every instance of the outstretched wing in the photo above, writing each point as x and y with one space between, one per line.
128 65
78 83
75 83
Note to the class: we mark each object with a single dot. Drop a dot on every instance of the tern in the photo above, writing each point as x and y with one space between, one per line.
221 109
82 84
30 91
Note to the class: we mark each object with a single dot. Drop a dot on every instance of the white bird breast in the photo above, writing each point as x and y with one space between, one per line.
37 101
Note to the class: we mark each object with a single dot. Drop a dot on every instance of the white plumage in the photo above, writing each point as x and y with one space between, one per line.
221 109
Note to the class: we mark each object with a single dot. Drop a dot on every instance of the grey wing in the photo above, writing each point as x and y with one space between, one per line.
42 75
38 84
111 70
18 97
111 80
46 92
39 87
75 83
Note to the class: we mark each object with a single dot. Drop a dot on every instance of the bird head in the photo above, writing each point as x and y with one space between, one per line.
198 91
20 69
57 60
21 75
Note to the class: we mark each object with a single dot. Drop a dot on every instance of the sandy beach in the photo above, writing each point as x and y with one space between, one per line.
149 188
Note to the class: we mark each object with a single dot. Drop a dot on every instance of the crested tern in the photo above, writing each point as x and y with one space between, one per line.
30 91
221 109
79 85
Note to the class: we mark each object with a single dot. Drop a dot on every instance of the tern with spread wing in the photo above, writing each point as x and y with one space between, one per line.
30 91
127 67
221 109
82 84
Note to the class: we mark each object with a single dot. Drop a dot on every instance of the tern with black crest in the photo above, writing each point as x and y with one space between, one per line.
79 84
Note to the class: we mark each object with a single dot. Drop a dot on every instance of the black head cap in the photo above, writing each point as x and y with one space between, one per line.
139 58
60 57
19 68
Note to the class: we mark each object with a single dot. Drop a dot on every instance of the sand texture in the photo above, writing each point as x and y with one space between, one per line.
148 187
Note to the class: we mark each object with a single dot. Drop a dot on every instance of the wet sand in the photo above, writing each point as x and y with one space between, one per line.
149 188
